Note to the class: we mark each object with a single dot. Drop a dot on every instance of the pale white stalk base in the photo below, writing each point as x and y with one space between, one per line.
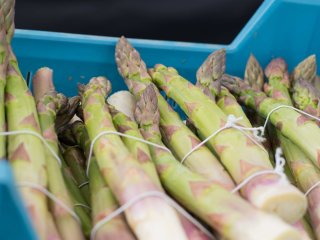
270 228
157 221
285 200
124 102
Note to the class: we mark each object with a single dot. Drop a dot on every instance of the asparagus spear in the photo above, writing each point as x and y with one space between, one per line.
25 151
277 88
42 83
48 106
306 175
103 201
9 13
75 160
227 213
123 173
293 125
140 150
3 72
177 136
104 204
77 198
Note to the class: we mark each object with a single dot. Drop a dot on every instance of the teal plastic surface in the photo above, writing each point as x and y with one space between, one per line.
286 28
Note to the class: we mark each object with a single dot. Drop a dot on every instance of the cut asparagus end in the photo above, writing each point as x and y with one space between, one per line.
285 201
306 69
254 73
124 102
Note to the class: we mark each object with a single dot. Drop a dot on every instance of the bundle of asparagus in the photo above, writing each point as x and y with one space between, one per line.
158 155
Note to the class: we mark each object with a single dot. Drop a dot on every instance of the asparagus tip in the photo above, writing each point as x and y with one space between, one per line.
146 112
276 68
212 68
254 73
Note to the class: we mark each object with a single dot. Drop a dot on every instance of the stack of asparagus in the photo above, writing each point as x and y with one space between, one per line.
74 180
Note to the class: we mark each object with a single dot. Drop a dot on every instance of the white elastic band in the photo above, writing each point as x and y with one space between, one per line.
81 205
311 188
137 198
18 132
286 106
278 169
51 196
83 184
122 135
231 123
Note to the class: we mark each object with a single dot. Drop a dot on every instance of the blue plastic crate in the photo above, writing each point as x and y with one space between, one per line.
286 28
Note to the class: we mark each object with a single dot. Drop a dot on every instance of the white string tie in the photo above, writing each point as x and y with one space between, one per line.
312 188
278 169
81 205
83 184
141 196
122 135
231 123
51 196
33 133
285 106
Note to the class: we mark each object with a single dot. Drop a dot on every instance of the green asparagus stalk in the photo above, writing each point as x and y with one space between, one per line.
47 107
43 82
102 199
306 175
3 73
227 213
237 152
277 88
293 125
77 198
26 152
123 173
140 150
178 137
104 204
75 160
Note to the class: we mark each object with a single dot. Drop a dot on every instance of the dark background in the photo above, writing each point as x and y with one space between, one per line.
208 21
